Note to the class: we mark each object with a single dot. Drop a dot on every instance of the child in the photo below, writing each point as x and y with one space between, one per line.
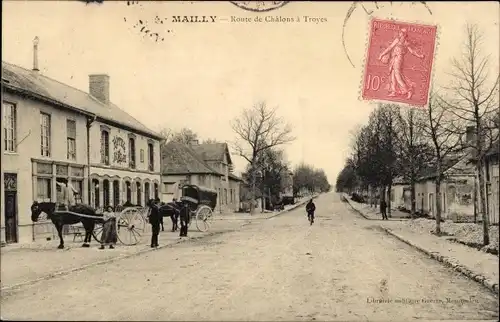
109 235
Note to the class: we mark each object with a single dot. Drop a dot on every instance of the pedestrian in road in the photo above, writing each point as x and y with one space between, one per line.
383 209
310 208
109 235
154 220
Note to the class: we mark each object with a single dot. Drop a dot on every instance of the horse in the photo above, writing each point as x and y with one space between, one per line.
172 210
61 219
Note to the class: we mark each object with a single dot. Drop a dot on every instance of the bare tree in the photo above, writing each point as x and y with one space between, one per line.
441 128
474 99
258 129
184 135
210 141
412 148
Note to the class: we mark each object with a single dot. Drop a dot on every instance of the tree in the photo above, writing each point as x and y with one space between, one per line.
273 165
210 141
184 135
306 177
440 128
258 129
473 97
413 148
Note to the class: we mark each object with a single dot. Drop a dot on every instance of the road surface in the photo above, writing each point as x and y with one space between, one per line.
341 268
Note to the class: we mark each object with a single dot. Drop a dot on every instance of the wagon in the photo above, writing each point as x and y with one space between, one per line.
131 226
202 202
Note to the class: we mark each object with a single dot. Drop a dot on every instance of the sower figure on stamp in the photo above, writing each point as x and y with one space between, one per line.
154 220
399 83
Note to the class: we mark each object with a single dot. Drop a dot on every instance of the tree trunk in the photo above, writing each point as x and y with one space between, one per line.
389 203
252 195
413 197
438 203
482 200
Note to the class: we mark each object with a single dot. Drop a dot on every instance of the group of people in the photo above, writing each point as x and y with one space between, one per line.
155 218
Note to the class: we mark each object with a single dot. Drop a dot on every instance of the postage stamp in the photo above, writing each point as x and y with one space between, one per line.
399 62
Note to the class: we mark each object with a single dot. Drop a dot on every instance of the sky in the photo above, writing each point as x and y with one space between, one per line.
203 75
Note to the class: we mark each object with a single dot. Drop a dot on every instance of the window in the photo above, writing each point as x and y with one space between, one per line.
168 187
45 134
142 155
71 139
105 193
131 152
156 190
105 147
139 194
116 193
9 130
78 185
44 189
151 157
146 192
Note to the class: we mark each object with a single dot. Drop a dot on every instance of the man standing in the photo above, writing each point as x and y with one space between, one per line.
383 209
154 220
185 218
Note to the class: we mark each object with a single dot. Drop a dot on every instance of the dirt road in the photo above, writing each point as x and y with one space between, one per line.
278 269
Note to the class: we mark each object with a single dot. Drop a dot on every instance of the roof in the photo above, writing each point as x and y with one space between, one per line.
455 164
234 177
42 87
178 158
213 151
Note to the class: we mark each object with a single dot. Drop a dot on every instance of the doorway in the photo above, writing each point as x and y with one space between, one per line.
10 203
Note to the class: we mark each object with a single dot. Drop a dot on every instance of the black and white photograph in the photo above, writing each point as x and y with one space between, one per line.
249 161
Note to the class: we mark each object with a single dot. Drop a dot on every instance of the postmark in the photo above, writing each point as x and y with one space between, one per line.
398 62
259 6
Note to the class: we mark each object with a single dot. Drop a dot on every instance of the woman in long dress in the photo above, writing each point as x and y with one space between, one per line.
109 234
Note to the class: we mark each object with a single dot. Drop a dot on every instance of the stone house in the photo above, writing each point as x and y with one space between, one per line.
205 165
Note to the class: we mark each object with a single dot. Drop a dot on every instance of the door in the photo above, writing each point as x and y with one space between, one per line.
10 200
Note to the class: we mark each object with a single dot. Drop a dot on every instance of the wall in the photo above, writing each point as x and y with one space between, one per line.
141 143
397 196
28 140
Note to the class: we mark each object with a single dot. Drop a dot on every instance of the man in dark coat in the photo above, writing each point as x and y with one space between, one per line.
310 209
154 220
185 218
383 209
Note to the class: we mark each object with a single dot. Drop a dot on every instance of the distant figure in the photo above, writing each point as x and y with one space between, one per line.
310 209
109 234
383 209
154 220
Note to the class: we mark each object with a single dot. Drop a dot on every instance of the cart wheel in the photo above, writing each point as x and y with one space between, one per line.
131 226
97 232
203 218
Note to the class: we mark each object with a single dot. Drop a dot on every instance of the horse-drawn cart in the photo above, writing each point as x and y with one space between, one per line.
201 202
130 226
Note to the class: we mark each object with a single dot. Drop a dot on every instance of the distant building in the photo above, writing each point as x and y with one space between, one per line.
54 132
205 165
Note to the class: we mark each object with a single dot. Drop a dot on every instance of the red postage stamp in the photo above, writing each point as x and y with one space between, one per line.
399 62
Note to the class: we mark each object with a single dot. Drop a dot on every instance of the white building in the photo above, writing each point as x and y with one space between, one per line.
47 126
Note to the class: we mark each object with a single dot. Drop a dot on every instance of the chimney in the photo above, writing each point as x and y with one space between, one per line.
193 142
35 54
99 87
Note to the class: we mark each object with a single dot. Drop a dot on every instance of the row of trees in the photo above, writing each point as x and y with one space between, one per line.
461 121
260 137
261 134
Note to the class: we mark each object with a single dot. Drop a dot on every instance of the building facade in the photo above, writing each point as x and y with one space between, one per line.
53 133
205 165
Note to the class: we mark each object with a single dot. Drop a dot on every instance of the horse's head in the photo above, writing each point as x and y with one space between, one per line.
150 203
36 210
